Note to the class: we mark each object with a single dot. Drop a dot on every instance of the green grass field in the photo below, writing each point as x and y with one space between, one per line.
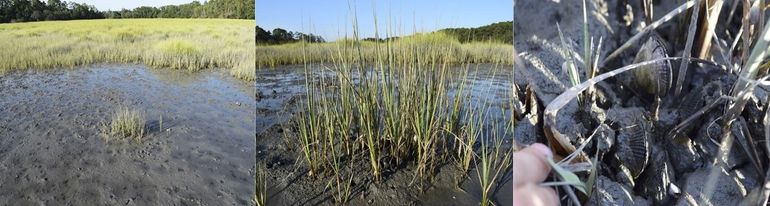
189 44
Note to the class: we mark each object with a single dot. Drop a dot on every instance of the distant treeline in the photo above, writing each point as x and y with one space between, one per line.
228 9
281 36
36 10
497 32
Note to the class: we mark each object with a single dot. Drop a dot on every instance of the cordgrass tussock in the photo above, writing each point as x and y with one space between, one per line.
127 123
397 103
187 44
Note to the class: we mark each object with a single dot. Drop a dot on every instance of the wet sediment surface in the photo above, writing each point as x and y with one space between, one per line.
54 148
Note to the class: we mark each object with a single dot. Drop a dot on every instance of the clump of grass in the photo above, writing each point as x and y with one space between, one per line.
493 161
391 104
128 124
178 54
260 197
244 68
244 71
466 142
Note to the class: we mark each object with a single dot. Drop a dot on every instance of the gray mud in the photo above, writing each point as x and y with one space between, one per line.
54 149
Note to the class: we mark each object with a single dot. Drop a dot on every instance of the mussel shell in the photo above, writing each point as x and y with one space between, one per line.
655 79
634 147
691 103
699 97
655 180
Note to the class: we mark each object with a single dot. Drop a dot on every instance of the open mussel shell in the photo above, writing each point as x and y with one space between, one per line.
655 79
633 147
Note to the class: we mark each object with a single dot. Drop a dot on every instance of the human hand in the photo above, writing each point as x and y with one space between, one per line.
529 170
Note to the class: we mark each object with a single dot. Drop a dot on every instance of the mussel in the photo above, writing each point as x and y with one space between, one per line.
656 180
632 139
699 97
634 148
654 79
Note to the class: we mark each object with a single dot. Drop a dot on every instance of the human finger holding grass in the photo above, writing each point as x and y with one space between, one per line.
531 169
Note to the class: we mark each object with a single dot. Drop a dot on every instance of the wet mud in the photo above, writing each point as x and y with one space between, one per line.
54 147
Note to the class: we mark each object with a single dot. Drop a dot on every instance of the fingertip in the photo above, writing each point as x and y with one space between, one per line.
550 195
545 155
531 194
542 149
530 164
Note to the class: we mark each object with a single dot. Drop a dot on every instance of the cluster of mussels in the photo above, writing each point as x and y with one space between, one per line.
634 123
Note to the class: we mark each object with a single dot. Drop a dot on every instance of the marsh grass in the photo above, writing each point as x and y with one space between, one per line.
493 161
395 104
269 56
244 69
159 43
127 123
260 195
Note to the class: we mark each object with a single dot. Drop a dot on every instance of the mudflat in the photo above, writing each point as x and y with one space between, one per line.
198 146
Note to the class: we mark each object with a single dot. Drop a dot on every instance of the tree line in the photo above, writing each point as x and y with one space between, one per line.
497 32
282 36
228 9
36 10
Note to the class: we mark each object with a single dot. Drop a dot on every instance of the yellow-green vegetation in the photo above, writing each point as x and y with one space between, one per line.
452 50
127 123
245 69
189 44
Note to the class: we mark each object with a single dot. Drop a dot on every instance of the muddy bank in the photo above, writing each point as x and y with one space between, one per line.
53 147
280 90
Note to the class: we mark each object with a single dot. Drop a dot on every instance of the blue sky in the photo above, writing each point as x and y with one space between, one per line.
104 5
332 19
